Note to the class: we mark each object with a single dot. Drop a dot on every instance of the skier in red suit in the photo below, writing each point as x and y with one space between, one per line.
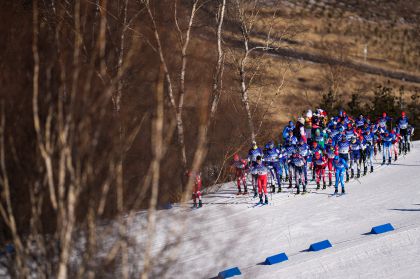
239 168
196 195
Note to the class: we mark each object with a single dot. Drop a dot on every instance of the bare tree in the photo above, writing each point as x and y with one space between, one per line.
249 59
177 102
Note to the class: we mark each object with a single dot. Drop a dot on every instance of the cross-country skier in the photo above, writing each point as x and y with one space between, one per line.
253 153
402 124
350 132
340 166
272 160
308 125
360 121
320 138
196 189
287 129
298 162
330 152
355 154
291 138
320 163
383 122
239 167
343 152
290 149
315 148
303 150
344 118
299 130
261 171
396 138
283 162
387 145
410 132
368 150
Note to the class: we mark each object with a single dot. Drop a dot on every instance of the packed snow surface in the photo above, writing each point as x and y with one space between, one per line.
228 231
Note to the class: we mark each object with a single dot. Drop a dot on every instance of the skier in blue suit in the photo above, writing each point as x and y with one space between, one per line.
272 161
253 153
387 145
340 166
343 150
286 130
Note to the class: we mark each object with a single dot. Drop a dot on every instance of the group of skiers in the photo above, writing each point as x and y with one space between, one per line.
317 143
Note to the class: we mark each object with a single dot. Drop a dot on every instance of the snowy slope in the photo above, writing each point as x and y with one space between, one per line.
229 232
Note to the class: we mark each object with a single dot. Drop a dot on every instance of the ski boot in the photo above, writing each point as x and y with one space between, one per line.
318 186
408 147
395 158
371 169
364 170
194 204
347 177
389 161
239 193
383 161
290 184
352 174
343 191
330 184
266 199
245 193
286 178
279 190
261 199
358 173
304 188
273 188
200 203
324 186
255 194
336 191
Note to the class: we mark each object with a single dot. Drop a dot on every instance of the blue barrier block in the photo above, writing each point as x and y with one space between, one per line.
320 245
382 229
229 273
276 259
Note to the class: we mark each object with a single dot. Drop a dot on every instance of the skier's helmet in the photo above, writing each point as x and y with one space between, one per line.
236 157
329 140
317 132
403 114
254 145
361 116
314 143
258 158
336 158
291 123
353 139
349 125
384 114
270 144
317 155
